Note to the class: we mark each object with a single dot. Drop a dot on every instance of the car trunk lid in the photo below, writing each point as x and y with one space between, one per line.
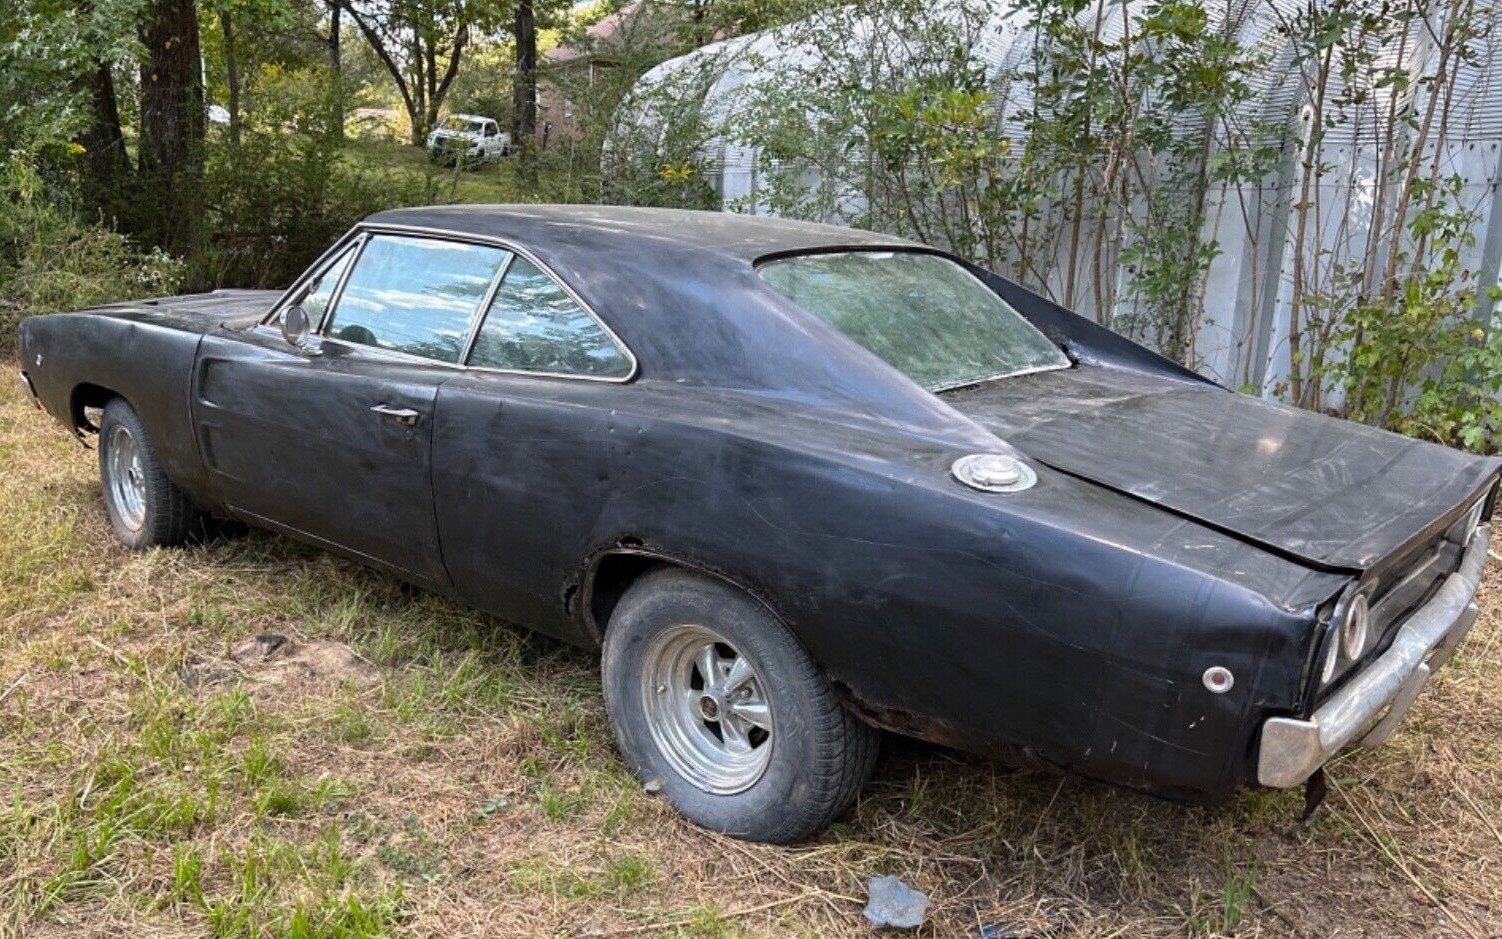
1330 492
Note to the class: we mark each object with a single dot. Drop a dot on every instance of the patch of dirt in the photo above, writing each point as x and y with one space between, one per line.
273 660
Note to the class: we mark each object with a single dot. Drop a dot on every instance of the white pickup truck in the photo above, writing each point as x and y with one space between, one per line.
468 139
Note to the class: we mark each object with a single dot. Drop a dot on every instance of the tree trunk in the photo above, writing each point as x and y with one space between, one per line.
336 68
441 89
231 76
172 119
106 165
525 92
419 109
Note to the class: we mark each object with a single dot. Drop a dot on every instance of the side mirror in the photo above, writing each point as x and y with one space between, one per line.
297 328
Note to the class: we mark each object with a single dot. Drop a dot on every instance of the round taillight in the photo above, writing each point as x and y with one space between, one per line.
1353 632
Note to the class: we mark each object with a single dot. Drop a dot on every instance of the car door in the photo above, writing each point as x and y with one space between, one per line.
333 443
524 450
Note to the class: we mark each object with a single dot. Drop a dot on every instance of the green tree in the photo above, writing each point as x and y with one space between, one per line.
421 44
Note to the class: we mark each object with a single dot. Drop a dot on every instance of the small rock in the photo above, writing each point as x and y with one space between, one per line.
259 648
893 903
274 660
197 675
653 787
492 806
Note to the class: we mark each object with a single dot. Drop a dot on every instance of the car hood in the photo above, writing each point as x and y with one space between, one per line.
1330 492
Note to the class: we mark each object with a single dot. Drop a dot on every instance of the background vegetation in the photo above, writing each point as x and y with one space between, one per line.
117 181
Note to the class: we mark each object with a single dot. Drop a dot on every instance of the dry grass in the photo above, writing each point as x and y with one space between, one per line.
460 781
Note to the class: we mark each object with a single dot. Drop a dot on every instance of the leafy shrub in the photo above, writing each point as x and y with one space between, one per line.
277 201
1422 363
51 260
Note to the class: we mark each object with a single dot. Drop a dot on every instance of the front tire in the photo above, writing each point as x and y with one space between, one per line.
145 508
713 697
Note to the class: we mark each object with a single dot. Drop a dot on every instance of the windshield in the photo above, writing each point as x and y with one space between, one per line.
462 125
922 313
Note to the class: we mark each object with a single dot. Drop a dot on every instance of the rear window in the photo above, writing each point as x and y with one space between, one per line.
923 314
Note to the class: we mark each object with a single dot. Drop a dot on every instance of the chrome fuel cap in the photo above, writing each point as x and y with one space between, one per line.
994 472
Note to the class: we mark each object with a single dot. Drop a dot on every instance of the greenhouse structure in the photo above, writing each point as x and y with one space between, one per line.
1350 122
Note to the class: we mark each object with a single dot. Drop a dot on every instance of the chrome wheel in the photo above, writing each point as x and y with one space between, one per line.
126 486
706 710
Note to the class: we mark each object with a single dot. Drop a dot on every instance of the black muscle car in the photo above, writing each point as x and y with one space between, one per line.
800 483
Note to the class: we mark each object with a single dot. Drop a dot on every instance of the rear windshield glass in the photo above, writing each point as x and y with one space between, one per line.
922 313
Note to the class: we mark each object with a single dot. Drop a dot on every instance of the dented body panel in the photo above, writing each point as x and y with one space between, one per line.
1069 624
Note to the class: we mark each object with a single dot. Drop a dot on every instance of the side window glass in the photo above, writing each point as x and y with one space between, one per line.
534 326
414 295
320 290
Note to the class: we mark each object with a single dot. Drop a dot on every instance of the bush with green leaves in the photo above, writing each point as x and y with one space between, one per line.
1423 364
51 260
278 200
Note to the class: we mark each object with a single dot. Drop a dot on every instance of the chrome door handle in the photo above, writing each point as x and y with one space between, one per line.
404 416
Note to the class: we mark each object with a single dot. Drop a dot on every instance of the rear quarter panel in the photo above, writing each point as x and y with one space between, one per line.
146 363
1066 622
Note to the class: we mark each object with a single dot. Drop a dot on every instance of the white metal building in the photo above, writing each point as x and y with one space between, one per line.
1243 339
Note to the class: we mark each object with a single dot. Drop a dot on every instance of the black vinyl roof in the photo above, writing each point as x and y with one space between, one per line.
547 228
680 289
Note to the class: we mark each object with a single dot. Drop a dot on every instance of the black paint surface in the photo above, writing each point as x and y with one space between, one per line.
1174 525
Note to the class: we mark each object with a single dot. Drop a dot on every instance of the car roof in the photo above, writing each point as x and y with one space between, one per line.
680 288
550 228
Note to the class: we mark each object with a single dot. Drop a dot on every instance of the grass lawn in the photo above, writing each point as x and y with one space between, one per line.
495 182
403 766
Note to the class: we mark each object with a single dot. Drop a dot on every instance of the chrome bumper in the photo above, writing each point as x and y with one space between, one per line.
1292 749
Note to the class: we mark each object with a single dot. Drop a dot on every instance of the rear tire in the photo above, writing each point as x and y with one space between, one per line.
145 508
763 749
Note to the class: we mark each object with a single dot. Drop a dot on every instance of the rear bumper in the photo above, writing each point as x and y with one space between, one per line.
1292 749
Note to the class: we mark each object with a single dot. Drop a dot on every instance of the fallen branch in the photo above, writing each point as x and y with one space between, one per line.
13 686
